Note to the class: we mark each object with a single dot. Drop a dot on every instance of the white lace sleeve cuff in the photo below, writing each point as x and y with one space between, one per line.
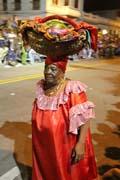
79 115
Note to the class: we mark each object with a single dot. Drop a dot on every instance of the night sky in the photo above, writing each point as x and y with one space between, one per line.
94 5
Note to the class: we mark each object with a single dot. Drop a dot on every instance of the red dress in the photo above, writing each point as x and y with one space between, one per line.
54 134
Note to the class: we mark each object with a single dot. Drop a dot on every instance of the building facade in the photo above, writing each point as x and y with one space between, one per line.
29 9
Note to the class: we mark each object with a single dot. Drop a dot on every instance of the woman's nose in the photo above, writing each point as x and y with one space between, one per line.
48 70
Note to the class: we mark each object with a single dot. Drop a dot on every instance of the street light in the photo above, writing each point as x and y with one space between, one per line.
104 31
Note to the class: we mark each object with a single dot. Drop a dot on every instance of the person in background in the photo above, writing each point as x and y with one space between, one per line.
3 50
23 55
32 55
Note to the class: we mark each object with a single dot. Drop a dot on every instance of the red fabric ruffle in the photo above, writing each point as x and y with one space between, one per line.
93 33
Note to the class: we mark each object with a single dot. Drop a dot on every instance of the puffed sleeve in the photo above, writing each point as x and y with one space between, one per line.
80 112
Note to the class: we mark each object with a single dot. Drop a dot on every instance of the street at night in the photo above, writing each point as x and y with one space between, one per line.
17 93
50 129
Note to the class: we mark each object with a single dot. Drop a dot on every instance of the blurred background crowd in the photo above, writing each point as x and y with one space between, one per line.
13 53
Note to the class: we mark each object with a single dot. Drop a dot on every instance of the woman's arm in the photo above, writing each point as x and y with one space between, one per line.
78 151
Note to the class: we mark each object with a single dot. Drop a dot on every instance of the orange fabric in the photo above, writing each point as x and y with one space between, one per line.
53 144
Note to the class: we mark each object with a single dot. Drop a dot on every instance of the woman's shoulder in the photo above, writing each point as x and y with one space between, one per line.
40 83
75 86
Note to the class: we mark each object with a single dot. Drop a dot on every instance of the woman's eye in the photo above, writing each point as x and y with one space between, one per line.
53 69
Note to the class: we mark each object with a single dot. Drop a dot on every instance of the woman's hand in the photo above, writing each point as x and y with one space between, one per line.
77 153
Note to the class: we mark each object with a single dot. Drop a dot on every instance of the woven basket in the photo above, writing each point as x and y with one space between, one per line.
33 36
44 46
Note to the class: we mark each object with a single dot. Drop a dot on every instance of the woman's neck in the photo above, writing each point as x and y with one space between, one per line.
52 89
48 85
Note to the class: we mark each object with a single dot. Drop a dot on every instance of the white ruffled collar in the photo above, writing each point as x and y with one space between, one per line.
45 102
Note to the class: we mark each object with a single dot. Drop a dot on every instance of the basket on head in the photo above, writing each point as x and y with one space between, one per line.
54 35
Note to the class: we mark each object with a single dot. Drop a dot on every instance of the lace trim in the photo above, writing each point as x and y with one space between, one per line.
79 115
52 102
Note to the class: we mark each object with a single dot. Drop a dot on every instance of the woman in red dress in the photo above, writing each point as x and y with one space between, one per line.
62 147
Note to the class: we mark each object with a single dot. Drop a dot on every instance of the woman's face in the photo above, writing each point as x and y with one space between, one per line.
53 74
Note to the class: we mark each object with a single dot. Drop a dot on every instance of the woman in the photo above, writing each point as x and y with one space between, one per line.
62 147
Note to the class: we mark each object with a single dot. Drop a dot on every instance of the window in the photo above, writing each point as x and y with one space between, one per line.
17 5
4 5
118 13
66 2
55 1
76 4
36 4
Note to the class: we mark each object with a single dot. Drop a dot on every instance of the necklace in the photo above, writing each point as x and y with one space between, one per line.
55 89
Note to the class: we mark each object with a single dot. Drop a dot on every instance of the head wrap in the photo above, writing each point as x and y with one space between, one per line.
59 62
